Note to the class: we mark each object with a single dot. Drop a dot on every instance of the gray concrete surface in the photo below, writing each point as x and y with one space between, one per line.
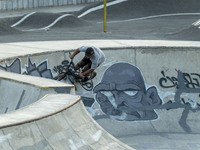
134 20
165 132
8 5
165 63
24 90
58 9
58 123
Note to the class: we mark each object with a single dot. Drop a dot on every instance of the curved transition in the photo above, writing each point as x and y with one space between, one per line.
148 95
39 113
60 122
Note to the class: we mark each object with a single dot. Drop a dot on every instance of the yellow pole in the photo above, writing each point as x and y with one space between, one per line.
104 25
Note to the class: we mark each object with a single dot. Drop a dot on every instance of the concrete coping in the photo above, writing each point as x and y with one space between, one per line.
47 106
33 81
17 49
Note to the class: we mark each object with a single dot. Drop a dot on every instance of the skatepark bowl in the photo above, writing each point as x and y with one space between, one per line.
145 97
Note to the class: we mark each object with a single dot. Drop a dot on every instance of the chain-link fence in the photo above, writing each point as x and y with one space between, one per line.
27 4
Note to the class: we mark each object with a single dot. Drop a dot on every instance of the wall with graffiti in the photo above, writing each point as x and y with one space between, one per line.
39 70
137 85
20 93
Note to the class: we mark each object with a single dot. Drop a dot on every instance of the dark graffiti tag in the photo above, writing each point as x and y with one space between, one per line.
190 80
184 83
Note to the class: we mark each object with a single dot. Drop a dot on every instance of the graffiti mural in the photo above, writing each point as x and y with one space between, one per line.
14 67
184 98
184 83
191 80
40 70
122 94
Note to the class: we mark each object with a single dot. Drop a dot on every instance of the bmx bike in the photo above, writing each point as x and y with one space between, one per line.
66 71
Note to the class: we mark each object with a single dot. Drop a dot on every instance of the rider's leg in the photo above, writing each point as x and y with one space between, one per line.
77 67
88 76
82 63
59 76
86 67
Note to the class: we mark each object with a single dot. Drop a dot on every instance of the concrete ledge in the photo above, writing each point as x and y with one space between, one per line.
12 50
39 82
48 105
25 90
56 121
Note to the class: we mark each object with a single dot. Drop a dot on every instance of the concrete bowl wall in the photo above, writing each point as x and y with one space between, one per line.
162 67
159 66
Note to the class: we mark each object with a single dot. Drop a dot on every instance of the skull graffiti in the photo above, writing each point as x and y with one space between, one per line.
122 94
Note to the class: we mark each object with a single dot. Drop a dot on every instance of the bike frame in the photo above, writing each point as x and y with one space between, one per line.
72 74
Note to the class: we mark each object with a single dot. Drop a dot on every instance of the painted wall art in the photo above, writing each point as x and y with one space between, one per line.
40 70
122 94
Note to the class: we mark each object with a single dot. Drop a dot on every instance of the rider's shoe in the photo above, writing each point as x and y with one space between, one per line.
85 79
92 75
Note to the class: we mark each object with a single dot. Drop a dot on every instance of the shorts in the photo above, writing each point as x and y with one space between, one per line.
85 64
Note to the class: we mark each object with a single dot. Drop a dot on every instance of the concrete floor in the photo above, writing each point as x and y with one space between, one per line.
126 20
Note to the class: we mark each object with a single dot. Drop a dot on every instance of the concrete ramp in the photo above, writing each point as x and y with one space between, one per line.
146 94
21 90
55 122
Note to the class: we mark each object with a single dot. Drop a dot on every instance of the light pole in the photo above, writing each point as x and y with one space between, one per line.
104 24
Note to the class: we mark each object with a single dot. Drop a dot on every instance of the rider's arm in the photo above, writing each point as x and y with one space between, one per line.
71 56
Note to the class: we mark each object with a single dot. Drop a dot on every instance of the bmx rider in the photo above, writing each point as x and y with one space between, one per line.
93 58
